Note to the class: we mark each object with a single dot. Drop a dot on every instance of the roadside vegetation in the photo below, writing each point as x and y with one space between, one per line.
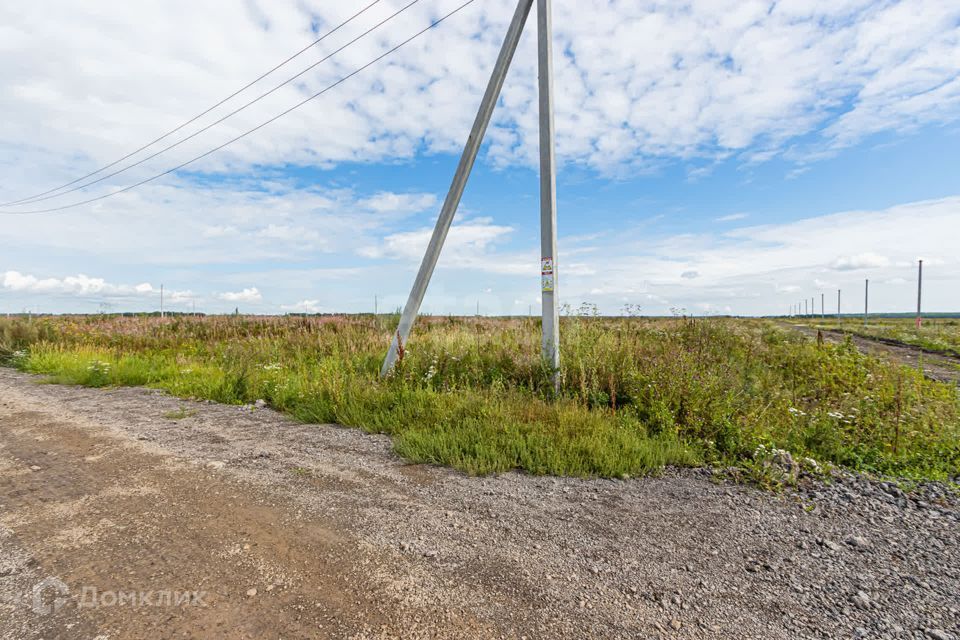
637 393
937 334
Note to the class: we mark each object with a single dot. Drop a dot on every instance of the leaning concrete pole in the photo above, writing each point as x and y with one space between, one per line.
919 295
452 201
548 196
866 301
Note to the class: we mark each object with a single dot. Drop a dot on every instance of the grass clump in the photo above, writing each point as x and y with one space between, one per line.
636 394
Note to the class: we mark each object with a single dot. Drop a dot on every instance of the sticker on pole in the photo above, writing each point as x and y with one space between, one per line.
546 265
546 282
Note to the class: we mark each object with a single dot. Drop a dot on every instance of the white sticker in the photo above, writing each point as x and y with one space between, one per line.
546 282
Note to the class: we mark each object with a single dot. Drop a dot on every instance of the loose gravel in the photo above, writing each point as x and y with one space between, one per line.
684 555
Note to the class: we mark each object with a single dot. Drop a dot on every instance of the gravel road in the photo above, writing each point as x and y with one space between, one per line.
119 502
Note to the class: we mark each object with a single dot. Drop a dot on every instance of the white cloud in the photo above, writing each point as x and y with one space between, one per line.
866 260
638 82
766 268
304 306
247 295
732 217
219 231
465 243
85 286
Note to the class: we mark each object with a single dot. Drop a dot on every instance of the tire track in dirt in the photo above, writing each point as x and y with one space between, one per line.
941 368
104 515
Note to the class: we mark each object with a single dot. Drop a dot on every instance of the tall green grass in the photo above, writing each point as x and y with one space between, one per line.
636 394
939 335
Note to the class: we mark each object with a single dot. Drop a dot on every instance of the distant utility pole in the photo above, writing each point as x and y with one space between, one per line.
866 301
823 306
813 308
161 302
919 293
806 312
551 351
838 304
376 306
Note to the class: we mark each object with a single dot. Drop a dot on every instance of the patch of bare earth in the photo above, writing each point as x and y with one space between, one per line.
282 530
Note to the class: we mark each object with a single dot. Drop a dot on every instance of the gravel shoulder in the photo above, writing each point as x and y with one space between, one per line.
285 530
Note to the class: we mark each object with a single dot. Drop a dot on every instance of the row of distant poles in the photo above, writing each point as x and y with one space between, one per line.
810 309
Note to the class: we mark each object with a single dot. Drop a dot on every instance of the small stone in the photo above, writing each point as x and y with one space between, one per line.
676 624
937 634
862 600
859 542
246 547
34 468
829 544
216 464
260 404
270 587
251 593
676 600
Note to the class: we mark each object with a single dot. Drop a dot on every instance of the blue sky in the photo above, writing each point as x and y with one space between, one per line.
716 157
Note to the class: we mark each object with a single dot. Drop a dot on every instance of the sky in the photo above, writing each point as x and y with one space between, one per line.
715 157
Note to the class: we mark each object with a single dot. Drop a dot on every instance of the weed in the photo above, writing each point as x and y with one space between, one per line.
180 414
473 393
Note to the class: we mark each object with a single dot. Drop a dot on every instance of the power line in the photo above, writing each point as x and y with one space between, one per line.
232 113
255 129
38 197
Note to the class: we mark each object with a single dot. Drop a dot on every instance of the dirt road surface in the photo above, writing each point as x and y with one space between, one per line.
111 511
942 368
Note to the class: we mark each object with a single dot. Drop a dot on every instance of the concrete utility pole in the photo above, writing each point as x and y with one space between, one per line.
823 306
866 301
919 292
452 201
838 304
806 311
548 195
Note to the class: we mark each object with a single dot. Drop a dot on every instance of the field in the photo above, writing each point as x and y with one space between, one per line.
637 393
937 334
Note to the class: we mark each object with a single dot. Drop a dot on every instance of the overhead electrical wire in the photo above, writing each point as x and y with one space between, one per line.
39 196
258 127
229 115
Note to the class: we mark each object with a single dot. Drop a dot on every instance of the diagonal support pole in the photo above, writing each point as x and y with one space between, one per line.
452 201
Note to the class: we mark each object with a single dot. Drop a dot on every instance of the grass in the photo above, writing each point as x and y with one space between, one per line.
938 335
180 414
637 394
